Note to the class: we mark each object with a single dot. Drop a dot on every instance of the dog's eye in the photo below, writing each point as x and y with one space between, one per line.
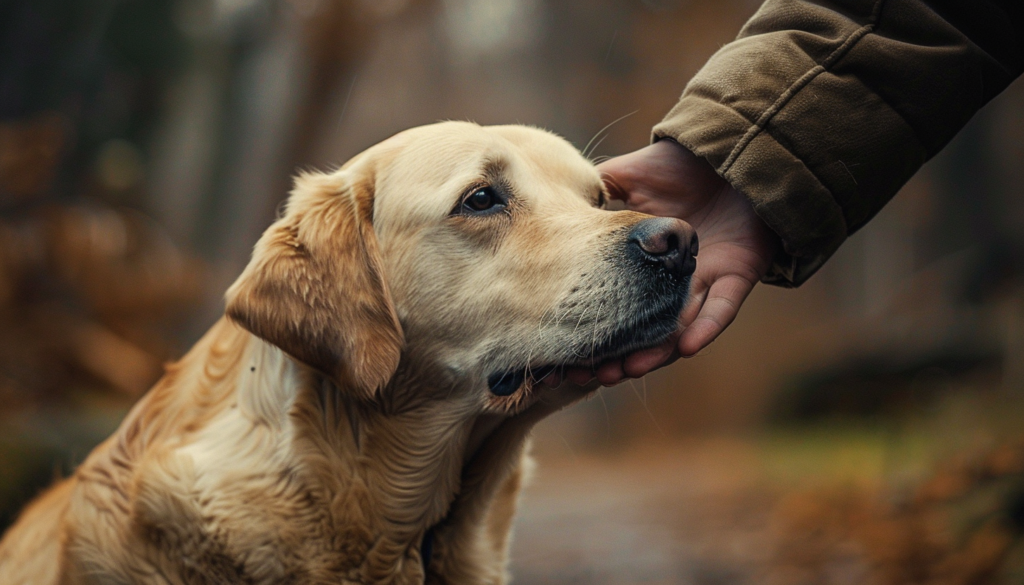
483 199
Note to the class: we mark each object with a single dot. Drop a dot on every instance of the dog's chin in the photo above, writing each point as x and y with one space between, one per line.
511 388
649 330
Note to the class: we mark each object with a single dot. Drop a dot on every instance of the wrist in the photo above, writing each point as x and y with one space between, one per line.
695 174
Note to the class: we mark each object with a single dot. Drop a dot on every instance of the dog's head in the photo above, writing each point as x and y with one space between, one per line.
481 256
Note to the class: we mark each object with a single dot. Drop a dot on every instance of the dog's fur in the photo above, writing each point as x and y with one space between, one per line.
341 407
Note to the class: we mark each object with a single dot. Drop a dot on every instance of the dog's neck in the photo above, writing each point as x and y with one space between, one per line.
405 470
238 416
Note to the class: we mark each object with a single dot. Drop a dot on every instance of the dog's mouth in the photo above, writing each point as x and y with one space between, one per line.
513 390
506 383
510 387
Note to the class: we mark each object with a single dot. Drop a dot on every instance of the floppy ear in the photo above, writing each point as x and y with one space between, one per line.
315 287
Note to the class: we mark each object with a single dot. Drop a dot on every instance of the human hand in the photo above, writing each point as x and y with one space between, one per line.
736 247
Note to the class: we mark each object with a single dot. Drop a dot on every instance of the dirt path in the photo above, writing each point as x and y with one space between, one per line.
677 515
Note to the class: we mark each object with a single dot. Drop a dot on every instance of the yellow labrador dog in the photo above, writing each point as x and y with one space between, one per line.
360 413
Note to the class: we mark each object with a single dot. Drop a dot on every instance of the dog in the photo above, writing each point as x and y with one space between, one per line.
361 412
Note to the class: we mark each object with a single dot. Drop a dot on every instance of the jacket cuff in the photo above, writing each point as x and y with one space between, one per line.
785 194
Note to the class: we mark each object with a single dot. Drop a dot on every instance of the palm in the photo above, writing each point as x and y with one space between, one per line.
736 247
733 257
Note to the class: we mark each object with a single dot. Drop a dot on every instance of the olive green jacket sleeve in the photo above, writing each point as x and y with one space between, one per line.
821 110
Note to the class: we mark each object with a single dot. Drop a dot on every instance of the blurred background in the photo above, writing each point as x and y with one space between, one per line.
865 428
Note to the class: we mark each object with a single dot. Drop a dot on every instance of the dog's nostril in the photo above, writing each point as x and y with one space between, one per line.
694 245
671 244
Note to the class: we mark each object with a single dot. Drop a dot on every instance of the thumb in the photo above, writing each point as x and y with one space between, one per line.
614 185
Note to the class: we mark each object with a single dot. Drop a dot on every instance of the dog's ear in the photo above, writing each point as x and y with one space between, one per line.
315 285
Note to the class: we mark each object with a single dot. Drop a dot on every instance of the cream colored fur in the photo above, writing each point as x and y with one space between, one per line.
340 408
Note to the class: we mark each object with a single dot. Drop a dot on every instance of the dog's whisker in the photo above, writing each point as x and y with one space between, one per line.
606 127
607 414
597 144
580 320
647 409
593 336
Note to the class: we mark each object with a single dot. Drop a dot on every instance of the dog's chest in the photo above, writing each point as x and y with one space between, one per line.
248 512
259 529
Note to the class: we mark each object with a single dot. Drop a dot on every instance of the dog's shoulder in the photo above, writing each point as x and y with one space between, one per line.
214 476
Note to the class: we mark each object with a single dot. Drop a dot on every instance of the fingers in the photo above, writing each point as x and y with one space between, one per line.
579 376
714 307
635 365
698 294
608 374
723 302
718 310
642 362
552 380
615 190
616 173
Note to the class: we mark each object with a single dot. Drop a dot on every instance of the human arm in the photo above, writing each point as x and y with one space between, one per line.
817 114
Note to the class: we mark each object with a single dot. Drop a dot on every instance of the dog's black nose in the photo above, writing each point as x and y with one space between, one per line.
668 242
